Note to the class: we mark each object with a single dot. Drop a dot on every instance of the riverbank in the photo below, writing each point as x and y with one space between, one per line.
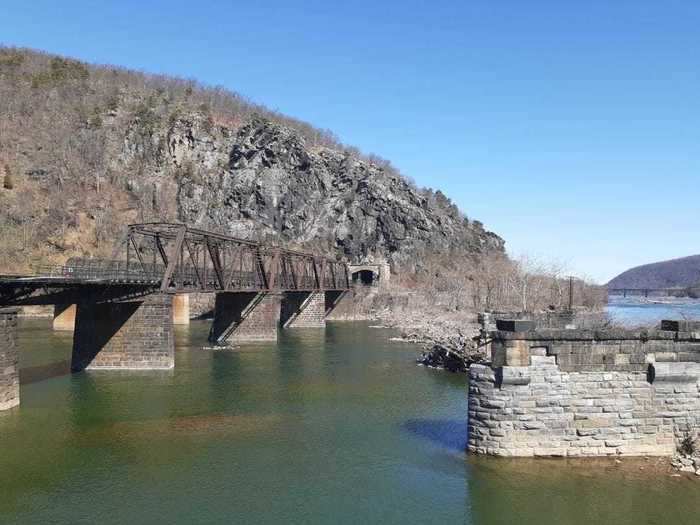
450 340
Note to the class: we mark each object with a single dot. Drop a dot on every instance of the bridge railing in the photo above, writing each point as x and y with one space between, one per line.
99 269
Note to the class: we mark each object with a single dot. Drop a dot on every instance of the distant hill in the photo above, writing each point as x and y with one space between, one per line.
683 272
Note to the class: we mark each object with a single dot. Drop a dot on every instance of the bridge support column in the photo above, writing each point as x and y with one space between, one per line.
9 359
181 309
245 316
125 335
332 298
64 317
304 310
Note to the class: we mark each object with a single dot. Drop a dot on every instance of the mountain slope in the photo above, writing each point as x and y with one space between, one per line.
87 149
683 272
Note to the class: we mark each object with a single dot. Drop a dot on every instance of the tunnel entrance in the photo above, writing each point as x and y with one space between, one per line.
364 277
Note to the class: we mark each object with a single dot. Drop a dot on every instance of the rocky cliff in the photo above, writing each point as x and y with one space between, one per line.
269 180
87 150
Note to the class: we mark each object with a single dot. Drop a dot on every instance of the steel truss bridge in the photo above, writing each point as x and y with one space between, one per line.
175 258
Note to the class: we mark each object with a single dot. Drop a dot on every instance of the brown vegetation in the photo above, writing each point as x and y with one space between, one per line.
494 282
76 178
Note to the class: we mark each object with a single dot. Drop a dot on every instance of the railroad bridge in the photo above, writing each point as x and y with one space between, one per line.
124 306
654 292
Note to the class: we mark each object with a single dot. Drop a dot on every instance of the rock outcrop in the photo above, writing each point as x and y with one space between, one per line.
265 180
86 149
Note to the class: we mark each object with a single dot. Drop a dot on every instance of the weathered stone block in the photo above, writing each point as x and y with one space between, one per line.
515 325
9 359
245 316
303 310
125 335
680 326
598 399
64 317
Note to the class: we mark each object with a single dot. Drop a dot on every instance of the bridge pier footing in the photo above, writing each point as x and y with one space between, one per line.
64 317
304 310
9 359
125 335
181 309
245 316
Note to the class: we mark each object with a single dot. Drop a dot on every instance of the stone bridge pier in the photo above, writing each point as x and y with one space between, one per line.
251 316
9 359
64 314
245 316
304 310
129 334
577 392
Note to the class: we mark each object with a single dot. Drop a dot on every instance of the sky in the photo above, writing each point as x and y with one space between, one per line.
570 128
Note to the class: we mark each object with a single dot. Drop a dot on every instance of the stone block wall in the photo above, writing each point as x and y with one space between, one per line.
303 310
125 335
555 319
9 359
572 393
245 316
202 305
181 309
64 317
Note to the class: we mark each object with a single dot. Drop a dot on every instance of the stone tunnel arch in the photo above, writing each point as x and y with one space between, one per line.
365 277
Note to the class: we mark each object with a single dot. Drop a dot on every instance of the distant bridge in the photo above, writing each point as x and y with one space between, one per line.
122 308
646 292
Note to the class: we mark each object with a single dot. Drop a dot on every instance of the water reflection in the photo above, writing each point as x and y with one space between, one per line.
34 374
582 491
448 433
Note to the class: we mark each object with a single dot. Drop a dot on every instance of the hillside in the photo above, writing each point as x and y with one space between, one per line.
683 273
86 149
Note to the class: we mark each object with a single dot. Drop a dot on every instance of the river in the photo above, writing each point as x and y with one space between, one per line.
635 311
336 426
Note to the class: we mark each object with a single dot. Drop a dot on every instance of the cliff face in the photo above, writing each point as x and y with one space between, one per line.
268 180
137 152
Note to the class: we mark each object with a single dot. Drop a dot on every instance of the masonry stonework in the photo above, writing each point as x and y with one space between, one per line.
9 359
245 316
64 317
304 310
583 393
125 335
181 309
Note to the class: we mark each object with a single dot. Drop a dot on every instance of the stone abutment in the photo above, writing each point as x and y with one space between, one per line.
586 393
9 359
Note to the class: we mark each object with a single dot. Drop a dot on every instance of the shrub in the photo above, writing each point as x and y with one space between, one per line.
687 444
8 183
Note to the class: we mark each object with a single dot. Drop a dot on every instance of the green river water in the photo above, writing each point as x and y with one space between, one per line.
335 426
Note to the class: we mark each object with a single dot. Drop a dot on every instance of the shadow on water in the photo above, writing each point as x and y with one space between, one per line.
34 374
449 433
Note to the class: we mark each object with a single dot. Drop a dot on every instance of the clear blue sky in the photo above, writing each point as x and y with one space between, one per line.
571 128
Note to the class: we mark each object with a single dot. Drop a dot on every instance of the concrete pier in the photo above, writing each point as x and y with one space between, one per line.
181 309
64 317
9 359
304 310
125 335
245 316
